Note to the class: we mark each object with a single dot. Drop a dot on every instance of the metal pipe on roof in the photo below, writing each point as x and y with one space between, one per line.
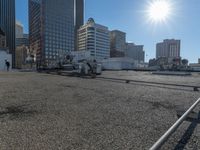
171 130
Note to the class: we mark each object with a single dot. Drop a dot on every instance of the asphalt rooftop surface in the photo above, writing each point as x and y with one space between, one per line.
50 112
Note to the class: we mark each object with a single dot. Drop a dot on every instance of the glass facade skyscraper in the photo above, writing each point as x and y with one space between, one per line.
79 20
52 29
7 24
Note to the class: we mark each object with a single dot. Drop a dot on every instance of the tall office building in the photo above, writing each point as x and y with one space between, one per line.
169 48
79 19
51 29
22 44
135 51
21 38
7 23
94 38
2 39
22 41
117 43
19 30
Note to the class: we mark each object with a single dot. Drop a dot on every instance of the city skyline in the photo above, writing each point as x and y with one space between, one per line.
130 17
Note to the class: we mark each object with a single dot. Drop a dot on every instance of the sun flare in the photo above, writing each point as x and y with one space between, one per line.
159 10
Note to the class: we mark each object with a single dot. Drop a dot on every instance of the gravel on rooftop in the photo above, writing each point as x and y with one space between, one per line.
43 111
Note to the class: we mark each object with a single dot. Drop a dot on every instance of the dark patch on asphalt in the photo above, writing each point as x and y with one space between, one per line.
164 105
17 112
67 86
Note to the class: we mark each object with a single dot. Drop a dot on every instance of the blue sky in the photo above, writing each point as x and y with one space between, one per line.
130 17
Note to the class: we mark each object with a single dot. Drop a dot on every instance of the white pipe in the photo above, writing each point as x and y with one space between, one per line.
171 130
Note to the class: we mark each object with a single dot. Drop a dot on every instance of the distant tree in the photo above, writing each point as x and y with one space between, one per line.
152 62
185 62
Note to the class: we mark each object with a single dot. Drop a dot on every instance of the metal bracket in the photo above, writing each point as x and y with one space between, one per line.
193 116
196 89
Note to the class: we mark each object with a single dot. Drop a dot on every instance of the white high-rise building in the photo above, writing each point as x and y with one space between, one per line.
169 48
94 38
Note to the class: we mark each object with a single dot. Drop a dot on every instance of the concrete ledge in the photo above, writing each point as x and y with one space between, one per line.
172 73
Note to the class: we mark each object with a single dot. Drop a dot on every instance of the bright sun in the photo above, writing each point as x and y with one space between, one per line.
159 10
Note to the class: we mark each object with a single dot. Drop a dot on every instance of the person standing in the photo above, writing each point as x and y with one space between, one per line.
7 63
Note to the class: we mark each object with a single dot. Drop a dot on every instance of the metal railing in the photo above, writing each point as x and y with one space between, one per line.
171 130
195 87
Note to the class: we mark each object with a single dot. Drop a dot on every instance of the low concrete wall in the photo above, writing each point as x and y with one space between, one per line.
4 56
174 73
117 64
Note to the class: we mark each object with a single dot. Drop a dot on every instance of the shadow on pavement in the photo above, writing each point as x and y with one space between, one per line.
187 135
